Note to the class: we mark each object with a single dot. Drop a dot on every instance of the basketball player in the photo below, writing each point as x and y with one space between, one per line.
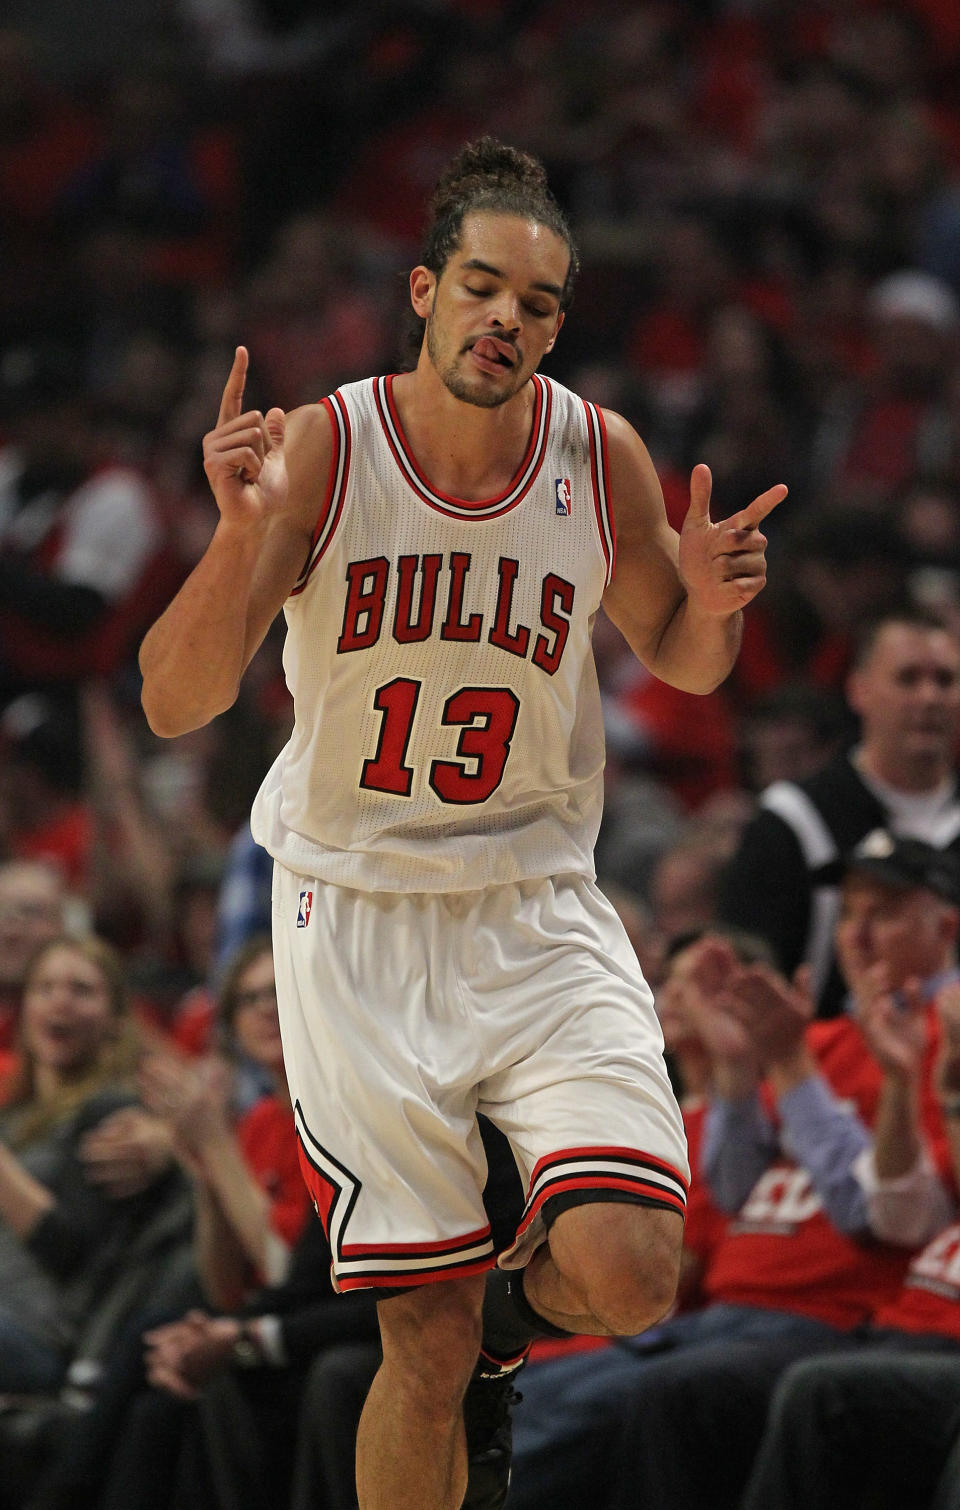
440 542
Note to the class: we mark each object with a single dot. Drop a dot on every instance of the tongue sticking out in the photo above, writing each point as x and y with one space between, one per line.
493 351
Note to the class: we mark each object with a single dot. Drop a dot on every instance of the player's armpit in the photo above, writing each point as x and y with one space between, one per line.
678 635
646 590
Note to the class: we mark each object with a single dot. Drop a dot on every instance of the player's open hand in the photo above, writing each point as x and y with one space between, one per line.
723 566
243 456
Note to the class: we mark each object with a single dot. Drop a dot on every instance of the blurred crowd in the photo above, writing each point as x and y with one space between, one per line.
766 195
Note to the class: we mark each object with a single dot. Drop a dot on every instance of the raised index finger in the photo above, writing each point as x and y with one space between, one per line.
231 405
750 517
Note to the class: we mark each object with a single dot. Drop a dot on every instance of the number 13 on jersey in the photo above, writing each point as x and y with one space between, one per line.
487 717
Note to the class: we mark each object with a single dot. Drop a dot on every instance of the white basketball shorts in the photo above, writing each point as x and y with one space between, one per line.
404 1015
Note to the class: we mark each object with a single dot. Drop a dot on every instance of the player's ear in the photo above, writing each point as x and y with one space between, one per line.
422 285
553 339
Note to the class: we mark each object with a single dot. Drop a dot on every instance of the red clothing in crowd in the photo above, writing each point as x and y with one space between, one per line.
781 1251
704 1223
8 1063
268 1143
64 841
929 1301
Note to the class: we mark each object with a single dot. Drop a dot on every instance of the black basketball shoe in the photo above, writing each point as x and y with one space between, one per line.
487 1414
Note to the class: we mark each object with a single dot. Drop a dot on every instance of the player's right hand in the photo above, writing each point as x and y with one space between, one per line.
243 456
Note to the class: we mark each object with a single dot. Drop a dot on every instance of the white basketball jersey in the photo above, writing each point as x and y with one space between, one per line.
448 730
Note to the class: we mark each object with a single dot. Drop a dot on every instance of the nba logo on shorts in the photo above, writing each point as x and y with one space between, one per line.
306 902
563 496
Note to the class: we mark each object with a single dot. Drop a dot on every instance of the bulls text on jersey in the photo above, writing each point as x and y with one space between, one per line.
372 582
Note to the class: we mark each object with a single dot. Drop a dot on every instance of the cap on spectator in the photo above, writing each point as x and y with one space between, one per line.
915 295
907 863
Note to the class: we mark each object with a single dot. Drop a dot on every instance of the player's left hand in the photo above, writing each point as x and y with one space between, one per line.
723 566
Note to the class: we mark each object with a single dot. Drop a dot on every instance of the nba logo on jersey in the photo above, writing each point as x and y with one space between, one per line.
563 496
303 914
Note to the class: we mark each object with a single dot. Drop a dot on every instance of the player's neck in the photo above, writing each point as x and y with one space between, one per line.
464 450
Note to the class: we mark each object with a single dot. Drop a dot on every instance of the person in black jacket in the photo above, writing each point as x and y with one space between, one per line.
200 1410
783 882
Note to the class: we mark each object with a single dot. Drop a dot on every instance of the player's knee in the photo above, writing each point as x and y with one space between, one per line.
431 1339
630 1272
635 1295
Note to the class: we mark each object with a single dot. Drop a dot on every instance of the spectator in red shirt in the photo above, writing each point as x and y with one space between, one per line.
672 1418
883 1419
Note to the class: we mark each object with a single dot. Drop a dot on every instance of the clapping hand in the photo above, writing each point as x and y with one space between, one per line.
776 1013
192 1098
893 1023
704 987
126 1152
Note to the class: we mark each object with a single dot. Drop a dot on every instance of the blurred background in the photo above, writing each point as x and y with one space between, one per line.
766 194
767 198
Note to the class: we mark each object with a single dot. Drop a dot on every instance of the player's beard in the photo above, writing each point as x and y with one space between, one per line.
456 381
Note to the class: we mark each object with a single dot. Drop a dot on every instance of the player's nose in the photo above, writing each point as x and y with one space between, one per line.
505 312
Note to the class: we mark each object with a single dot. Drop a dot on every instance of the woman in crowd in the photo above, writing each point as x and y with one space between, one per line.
250 1198
57 1228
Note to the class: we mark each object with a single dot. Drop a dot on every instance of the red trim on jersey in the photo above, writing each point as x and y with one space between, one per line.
630 1155
326 403
600 480
605 462
376 1271
586 1178
375 1280
439 1245
648 1189
320 1187
332 507
444 503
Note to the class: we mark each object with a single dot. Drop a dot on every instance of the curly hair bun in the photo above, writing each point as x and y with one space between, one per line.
484 165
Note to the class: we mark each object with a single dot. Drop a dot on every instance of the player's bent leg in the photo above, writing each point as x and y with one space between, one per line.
411 1451
607 1269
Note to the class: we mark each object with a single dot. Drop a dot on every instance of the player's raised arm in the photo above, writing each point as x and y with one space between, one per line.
677 598
263 471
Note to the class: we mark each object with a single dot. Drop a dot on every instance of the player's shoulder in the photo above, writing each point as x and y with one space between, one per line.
633 481
310 438
309 425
